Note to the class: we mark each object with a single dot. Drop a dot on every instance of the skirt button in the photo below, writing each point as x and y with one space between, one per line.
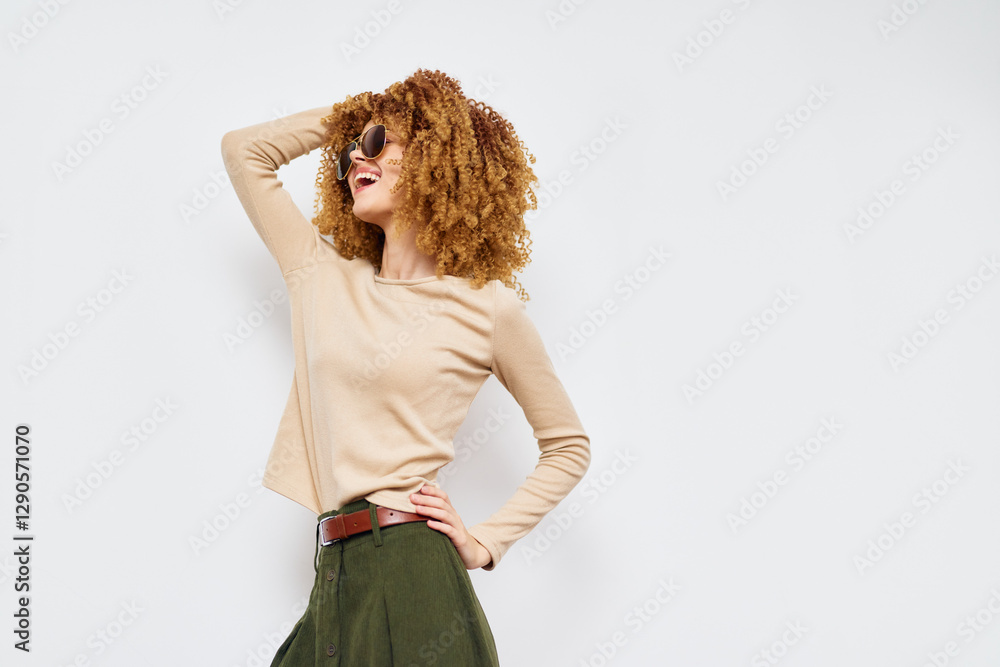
330 575
330 650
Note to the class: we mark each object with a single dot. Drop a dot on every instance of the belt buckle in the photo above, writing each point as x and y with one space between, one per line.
319 531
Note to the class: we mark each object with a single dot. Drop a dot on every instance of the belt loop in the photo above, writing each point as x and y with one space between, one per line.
372 507
316 552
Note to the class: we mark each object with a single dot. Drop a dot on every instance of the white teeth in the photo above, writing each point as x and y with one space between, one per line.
373 177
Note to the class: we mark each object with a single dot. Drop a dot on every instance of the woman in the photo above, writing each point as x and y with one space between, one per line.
396 324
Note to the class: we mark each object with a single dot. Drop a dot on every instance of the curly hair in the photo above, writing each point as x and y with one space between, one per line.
465 178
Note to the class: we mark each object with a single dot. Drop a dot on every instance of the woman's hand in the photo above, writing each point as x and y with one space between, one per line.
434 502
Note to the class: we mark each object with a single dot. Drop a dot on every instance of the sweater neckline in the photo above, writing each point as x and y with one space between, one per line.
409 281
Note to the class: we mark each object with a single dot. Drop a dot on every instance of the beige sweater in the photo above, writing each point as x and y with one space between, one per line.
386 369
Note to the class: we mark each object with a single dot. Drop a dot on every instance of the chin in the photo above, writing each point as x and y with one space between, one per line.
363 217
359 212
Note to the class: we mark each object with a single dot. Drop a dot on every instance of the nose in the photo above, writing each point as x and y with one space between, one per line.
353 155
357 157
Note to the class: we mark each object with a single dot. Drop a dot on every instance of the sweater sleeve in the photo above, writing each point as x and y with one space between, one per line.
523 367
252 156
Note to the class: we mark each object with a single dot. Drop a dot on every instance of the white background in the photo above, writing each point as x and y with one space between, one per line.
598 92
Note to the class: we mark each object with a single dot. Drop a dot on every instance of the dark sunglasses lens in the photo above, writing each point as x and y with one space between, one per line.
344 159
373 142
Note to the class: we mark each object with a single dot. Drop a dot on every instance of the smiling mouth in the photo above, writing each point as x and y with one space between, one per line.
365 178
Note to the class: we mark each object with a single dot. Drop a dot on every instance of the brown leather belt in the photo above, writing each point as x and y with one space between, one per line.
342 526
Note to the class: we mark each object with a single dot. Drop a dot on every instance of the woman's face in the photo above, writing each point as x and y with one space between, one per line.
373 203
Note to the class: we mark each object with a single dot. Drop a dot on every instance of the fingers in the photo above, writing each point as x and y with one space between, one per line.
432 507
436 512
442 520
433 491
434 502
432 497
443 527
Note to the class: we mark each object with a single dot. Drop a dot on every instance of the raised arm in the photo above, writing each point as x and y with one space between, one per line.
252 156
524 368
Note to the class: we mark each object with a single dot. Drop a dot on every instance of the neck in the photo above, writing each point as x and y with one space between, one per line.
401 260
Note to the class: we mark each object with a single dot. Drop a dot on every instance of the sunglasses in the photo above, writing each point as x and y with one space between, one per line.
371 142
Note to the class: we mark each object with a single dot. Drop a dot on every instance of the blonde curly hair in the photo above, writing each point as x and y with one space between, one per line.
465 178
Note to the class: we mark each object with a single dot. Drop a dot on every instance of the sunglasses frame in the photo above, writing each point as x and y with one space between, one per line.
358 142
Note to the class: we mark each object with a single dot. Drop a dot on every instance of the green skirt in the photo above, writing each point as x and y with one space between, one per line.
397 596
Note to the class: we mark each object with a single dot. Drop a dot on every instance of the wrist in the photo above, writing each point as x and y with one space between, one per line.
483 556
